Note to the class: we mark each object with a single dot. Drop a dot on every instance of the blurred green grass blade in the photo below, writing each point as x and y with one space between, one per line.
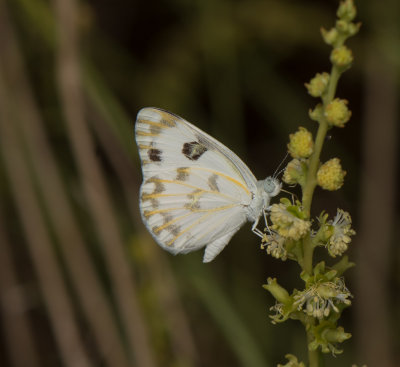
237 334
37 16
109 109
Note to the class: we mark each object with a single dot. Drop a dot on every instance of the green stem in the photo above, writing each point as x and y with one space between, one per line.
311 181
308 250
314 357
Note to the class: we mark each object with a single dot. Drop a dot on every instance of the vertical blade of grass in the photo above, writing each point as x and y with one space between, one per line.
237 334
154 261
54 290
218 38
94 184
17 331
379 187
95 305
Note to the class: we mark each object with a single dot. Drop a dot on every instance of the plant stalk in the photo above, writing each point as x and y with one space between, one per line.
314 356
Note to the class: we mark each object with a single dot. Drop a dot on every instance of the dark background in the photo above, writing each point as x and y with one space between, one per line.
81 281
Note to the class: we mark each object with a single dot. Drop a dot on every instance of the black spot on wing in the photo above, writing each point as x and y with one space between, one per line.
212 182
158 186
193 202
154 155
193 150
182 174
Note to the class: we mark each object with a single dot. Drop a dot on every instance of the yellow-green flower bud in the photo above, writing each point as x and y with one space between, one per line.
347 11
330 175
293 173
342 26
292 362
337 112
317 113
336 336
277 291
347 29
342 57
330 37
353 28
301 143
326 232
318 84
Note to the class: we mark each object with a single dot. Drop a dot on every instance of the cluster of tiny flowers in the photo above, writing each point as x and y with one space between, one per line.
318 84
301 144
292 362
347 10
279 313
337 113
287 224
330 175
340 239
319 300
290 236
341 56
293 172
275 245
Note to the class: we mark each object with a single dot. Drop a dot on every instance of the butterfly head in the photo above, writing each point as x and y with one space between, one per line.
272 186
266 189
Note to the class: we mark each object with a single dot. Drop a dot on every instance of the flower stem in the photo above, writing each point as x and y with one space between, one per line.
313 355
311 181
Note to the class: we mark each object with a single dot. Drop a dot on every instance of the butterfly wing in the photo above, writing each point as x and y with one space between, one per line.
195 190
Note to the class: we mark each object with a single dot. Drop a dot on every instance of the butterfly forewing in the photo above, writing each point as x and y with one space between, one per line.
195 190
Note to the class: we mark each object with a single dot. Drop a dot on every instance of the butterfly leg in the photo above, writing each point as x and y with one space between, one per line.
255 230
266 221
293 196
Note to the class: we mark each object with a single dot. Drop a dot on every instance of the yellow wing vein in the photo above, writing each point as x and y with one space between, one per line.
153 196
212 228
189 228
192 187
158 211
144 133
177 219
224 176
165 225
158 124
145 146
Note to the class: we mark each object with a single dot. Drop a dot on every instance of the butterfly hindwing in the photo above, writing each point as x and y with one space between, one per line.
194 190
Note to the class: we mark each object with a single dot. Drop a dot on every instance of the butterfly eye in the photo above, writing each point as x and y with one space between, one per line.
271 186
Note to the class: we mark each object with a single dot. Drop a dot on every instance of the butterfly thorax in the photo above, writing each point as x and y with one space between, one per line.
266 189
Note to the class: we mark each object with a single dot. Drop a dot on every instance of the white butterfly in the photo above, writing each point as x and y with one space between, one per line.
195 191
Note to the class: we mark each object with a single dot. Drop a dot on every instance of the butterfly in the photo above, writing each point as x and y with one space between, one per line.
195 192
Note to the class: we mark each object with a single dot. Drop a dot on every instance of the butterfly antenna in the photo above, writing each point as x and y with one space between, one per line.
277 172
282 170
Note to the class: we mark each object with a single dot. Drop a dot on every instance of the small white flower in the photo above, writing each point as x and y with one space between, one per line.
340 239
322 298
275 245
